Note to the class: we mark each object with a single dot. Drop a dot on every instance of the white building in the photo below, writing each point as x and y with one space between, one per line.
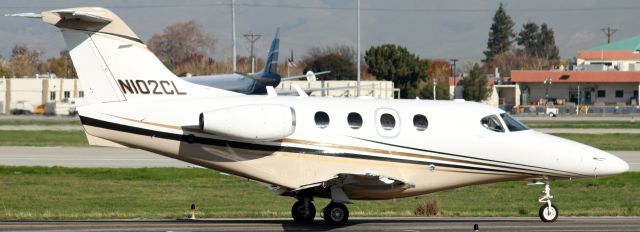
37 91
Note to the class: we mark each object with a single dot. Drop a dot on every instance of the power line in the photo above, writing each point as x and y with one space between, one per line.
432 10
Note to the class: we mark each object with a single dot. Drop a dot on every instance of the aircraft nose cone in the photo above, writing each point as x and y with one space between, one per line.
611 165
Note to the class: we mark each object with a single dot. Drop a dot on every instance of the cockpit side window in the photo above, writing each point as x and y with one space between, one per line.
512 123
492 122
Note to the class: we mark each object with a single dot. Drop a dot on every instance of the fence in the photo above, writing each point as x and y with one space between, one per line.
581 110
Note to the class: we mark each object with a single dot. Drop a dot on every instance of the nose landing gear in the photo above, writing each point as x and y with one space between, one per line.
547 212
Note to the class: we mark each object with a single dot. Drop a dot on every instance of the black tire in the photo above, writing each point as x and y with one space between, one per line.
299 215
546 215
336 214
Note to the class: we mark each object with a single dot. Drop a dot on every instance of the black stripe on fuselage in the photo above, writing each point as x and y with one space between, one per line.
468 157
190 138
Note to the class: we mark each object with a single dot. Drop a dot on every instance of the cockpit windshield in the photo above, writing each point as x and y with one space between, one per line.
512 123
492 122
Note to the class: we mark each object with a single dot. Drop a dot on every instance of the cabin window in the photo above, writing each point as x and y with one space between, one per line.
512 123
492 122
354 120
387 121
420 122
322 119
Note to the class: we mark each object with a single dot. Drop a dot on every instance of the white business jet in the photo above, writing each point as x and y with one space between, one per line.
304 147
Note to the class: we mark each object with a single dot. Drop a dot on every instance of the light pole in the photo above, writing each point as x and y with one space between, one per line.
547 82
358 53
233 32
434 87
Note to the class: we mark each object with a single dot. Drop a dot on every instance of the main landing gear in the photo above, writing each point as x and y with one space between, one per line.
303 212
547 212
335 214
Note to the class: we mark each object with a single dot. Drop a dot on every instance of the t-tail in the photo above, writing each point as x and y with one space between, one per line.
270 70
111 61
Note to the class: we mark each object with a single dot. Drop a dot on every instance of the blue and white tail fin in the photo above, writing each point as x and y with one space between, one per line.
270 69
113 64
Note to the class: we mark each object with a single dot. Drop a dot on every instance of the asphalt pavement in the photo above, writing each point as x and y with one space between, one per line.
609 224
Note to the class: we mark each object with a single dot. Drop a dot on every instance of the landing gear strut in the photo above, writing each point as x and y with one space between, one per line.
335 214
303 211
547 212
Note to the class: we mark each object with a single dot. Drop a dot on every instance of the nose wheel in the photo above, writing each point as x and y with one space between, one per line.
303 211
336 214
547 212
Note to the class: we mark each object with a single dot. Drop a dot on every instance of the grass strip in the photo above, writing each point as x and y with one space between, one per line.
609 142
43 138
36 122
41 193
583 124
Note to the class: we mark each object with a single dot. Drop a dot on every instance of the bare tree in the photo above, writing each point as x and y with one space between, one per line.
25 61
181 42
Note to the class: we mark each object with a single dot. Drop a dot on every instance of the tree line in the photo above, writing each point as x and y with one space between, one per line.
186 48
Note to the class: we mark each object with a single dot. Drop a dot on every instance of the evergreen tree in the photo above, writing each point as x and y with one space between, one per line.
395 63
548 43
475 85
529 38
500 34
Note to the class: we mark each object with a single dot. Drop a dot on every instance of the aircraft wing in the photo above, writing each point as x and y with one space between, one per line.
310 76
311 90
361 184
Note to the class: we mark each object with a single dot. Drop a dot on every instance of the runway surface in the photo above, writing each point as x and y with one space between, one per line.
107 157
85 157
610 224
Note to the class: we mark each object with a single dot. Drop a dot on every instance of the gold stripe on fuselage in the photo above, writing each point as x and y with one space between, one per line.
364 149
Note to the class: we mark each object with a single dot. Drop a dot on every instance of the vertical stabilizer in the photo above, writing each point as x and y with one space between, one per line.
113 64
271 64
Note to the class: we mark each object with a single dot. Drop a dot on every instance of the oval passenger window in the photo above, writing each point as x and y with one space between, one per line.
322 119
420 122
387 121
354 120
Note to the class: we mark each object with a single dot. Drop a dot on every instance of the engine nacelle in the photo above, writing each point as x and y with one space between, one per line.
250 122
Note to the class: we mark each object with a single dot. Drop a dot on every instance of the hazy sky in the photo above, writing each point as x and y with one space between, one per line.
429 28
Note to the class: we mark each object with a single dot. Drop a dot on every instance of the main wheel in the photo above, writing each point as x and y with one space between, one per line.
336 214
300 215
548 214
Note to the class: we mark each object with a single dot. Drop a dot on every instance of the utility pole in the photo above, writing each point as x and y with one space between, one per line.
609 32
233 32
358 53
453 69
453 74
252 39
